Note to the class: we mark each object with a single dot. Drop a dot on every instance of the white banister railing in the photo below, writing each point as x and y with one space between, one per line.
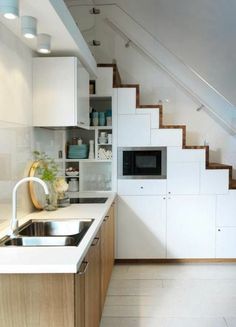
208 98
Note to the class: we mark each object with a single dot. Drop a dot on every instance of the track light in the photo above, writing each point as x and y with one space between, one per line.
95 43
94 11
9 8
29 27
44 43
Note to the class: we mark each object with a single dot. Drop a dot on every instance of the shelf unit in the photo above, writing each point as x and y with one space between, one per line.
94 174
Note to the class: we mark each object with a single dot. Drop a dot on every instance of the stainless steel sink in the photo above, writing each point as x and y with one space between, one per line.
41 241
65 227
65 232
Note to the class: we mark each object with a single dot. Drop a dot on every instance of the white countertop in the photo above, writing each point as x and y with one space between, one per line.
55 259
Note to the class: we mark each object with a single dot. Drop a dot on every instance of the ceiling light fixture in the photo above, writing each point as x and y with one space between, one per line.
9 8
29 27
44 43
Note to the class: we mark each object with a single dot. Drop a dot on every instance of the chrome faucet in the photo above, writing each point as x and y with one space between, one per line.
14 220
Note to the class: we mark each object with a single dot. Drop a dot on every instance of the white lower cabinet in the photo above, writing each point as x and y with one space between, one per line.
141 227
191 226
226 242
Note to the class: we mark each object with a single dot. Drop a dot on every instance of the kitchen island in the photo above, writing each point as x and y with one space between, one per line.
59 286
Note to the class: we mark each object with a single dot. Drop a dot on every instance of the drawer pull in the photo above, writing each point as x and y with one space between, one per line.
95 241
106 217
141 187
85 263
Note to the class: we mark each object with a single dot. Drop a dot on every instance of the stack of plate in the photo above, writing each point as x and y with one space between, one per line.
78 151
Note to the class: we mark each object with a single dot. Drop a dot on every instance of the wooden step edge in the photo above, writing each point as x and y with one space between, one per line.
232 184
150 106
216 165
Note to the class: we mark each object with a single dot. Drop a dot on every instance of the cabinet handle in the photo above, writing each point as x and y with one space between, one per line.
164 198
85 268
219 230
141 187
95 241
106 217
81 123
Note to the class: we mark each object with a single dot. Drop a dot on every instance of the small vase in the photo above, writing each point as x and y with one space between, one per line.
51 199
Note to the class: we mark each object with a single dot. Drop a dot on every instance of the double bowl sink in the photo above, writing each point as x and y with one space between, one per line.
66 232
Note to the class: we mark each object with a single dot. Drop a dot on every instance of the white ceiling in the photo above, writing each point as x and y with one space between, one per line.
201 33
54 19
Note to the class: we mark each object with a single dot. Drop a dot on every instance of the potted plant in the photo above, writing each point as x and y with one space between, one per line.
47 170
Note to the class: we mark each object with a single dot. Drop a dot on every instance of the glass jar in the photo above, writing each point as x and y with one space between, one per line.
51 199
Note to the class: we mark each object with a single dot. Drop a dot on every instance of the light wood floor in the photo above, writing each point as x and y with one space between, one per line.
186 295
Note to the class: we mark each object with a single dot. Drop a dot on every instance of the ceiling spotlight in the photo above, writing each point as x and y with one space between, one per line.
29 27
9 8
44 43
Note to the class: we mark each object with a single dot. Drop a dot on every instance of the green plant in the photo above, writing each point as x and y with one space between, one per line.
48 169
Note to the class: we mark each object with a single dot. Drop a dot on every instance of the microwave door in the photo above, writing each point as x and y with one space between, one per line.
147 163
128 163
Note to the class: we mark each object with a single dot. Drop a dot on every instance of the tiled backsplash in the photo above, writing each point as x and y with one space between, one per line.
15 120
15 158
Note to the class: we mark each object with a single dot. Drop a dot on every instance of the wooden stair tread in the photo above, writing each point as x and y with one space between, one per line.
232 184
216 165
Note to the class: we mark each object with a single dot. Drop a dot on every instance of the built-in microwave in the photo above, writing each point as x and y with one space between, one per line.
142 162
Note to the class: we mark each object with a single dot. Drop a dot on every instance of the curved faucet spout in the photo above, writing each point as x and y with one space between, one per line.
14 220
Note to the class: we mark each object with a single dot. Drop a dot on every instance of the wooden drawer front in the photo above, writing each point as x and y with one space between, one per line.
141 187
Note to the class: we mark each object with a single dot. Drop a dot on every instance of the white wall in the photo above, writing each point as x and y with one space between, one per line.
201 33
156 85
15 120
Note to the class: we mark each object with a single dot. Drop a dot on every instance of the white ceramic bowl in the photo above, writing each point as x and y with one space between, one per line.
72 173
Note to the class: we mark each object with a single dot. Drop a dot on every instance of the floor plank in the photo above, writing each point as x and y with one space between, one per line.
176 295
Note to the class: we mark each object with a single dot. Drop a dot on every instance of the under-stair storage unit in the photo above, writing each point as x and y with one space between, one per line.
60 92
141 227
191 226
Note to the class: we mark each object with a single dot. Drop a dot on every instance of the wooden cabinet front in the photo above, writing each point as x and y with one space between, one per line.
92 285
107 253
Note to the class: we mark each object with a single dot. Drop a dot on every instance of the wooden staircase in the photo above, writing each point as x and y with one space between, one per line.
209 165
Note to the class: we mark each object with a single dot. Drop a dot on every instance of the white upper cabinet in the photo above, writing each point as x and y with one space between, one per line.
60 92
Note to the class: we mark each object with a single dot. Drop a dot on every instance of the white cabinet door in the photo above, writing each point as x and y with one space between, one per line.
226 242
56 100
104 81
226 209
191 226
183 177
134 130
141 187
141 227
82 97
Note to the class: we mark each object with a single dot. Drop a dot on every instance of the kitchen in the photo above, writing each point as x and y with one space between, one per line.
152 223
